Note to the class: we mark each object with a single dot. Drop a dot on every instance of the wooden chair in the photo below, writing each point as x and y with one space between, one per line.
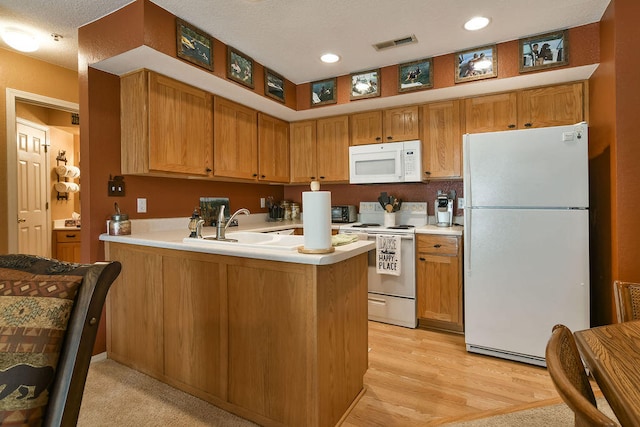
83 302
627 296
570 378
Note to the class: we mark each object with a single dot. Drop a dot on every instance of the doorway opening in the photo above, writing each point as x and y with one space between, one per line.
15 98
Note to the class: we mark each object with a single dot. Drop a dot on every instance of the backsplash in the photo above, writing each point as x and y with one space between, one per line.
353 194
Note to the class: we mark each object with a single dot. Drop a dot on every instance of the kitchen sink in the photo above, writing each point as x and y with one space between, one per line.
252 239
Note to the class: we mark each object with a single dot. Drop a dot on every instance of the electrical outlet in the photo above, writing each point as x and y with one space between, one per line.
142 205
460 202
262 202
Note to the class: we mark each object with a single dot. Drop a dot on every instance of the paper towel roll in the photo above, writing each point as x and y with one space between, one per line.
316 224
67 187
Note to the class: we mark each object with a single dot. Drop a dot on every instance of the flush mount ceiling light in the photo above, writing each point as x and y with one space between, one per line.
476 23
20 40
329 58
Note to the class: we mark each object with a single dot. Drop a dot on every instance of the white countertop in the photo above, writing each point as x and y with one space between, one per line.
455 230
169 234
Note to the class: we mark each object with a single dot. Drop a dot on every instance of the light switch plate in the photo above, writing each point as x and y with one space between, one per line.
142 205
460 202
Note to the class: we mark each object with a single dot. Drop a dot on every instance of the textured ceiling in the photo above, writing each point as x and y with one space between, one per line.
289 36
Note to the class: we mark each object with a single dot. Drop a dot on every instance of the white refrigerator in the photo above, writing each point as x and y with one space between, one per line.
526 239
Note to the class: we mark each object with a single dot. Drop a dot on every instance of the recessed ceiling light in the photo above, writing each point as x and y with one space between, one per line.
329 58
476 23
20 40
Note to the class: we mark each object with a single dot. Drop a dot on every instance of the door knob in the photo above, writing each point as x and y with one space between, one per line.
22 220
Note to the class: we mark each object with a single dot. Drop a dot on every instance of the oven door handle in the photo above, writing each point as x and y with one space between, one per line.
380 301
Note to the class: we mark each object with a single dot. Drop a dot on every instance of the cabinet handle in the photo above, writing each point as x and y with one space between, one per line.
208 170
422 259
427 173
528 125
321 177
254 175
437 245
389 138
70 235
313 177
378 138
511 126
262 176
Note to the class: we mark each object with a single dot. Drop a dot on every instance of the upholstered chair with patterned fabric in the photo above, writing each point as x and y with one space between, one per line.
49 315
570 378
627 300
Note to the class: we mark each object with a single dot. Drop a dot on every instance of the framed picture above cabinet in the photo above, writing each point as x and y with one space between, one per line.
476 64
194 45
240 67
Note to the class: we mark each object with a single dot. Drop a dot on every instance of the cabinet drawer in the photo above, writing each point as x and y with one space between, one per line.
67 236
438 244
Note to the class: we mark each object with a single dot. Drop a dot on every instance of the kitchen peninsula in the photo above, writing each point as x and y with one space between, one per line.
274 336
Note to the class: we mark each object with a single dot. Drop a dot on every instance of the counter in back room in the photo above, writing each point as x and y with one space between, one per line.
274 336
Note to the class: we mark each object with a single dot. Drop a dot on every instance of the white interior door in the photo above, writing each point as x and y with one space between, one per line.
32 216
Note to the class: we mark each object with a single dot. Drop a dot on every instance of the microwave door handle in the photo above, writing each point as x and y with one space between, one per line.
400 166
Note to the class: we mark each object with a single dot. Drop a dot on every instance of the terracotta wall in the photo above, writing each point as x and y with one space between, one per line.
614 158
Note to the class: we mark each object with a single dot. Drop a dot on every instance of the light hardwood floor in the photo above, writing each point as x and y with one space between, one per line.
426 378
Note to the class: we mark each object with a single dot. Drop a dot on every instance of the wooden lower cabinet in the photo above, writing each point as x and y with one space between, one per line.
66 245
274 342
439 282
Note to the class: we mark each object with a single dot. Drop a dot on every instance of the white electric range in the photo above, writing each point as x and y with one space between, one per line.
392 299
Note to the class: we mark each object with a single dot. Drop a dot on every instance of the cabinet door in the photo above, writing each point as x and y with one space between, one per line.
273 149
332 149
550 106
302 147
66 245
439 283
491 113
401 124
180 127
442 140
194 319
366 128
235 142
135 336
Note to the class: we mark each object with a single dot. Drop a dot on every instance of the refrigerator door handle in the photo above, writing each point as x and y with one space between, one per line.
467 240
468 200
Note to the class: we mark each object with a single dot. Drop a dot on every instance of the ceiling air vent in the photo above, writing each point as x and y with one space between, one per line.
395 43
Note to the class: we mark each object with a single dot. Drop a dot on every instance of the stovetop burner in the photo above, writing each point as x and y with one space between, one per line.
366 225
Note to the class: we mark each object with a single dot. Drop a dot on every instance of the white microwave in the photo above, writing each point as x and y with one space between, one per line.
389 162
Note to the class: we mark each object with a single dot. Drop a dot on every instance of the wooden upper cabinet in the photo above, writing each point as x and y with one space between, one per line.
302 148
491 113
401 124
366 128
332 149
442 139
166 126
273 149
551 106
235 142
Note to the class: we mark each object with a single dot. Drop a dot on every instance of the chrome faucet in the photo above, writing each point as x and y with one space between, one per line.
222 225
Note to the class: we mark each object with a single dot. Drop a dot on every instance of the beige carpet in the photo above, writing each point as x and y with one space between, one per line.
118 396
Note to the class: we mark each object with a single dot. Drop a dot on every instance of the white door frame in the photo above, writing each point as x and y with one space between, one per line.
14 96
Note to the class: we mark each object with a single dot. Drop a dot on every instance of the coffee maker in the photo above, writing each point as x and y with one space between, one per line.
444 208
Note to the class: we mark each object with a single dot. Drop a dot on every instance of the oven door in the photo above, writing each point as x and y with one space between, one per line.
403 285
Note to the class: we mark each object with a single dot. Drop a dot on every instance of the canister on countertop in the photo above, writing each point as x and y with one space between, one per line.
119 224
295 210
